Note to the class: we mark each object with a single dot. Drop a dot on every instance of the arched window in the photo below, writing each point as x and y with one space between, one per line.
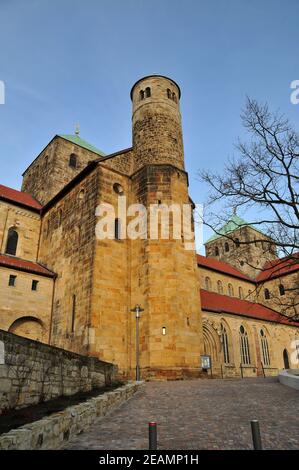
219 287
73 160
241 294
224 341
226 247
265 348
267 294
281 289
237 242
81 194
230 290
12 242
250 295
168 93
174 97
207 283
141 95
216 251
147 92
244 346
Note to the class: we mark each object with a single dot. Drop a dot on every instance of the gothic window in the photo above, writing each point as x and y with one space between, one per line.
219 287
244 346
12 242
230 290
207 283
267 294
281 289
226 247
241 294
224 340
73 161
216 251
265 348
148 92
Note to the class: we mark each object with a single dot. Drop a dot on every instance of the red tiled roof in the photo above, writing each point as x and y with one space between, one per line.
214 302
18 197
24 265
279 267
222 267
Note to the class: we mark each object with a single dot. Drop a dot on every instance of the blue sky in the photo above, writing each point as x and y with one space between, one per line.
69 61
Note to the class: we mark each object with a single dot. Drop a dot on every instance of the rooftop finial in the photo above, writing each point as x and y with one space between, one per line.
77 129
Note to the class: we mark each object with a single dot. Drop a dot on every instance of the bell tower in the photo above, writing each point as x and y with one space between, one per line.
157 128
164 279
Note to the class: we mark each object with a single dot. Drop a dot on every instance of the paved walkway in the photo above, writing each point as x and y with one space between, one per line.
200 414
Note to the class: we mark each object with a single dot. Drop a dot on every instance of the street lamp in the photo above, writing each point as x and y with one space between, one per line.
137 310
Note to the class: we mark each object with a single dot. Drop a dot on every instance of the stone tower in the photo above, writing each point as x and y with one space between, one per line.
163 272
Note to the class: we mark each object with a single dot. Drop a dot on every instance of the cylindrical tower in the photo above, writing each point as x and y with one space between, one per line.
157 129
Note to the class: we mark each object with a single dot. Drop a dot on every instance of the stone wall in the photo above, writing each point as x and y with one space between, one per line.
54 431
32 372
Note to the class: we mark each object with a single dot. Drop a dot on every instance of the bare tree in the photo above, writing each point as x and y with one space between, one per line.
264 176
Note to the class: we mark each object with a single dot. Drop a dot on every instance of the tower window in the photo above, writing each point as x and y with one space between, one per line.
219 287
174 97
168 93
141 95
237 242
226 247
73 161
267 294
147 92
281 289
216 251
12 242
117 231
12 280
34 285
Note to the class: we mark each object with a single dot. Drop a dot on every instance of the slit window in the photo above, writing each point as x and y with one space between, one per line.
34 284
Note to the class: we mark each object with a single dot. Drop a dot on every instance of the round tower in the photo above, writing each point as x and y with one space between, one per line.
157 128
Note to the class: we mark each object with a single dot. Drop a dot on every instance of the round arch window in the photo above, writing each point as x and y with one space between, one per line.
118 189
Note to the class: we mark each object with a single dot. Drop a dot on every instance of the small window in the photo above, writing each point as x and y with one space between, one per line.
168 93
174 97
230 290
81 195
117 232
216 251
148 92
34 285
219 287
267 294
241 295
208 283
12 242
237 242
118 189
281 289
226 247
141 95
73 161
12 280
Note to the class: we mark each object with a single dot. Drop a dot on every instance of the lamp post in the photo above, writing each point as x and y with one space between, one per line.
137 310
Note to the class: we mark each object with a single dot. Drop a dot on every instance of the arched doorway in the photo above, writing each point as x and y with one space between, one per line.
286 359
29 327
